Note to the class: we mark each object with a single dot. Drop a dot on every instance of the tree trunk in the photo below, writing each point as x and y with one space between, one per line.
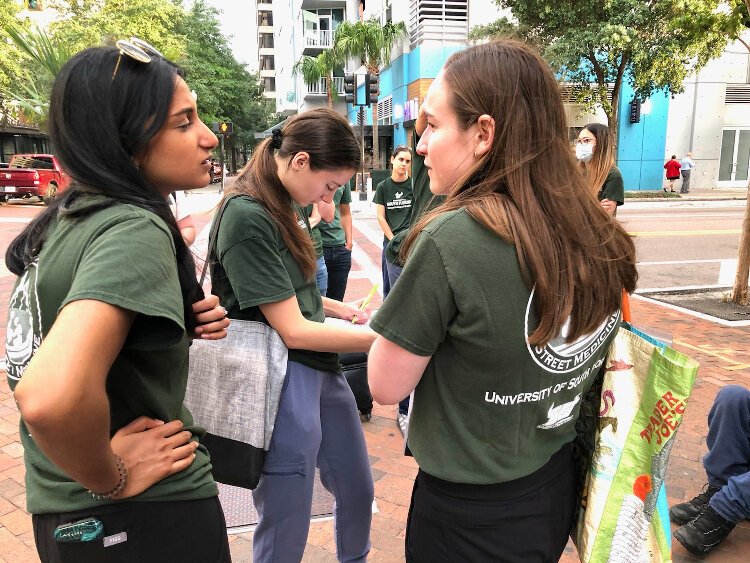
739 292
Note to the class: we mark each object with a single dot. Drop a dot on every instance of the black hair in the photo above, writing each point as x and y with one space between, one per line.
99 122
398 149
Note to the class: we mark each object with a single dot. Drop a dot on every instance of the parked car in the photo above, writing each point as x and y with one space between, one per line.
33 175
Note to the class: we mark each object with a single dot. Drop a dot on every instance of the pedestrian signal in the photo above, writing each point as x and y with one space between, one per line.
226 128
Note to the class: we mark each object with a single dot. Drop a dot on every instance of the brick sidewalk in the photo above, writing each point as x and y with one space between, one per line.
723 353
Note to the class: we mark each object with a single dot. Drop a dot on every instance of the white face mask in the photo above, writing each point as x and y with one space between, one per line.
585 153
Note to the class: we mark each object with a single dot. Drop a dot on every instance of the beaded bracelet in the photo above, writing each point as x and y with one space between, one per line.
123 471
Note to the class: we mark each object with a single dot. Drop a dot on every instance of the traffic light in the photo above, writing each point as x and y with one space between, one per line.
226 128
34 5
350 90
635 111
372 88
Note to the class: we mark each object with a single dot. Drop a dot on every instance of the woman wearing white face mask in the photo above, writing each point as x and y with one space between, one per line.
596 154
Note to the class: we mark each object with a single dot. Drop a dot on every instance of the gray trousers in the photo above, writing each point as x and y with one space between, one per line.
317 425
685 188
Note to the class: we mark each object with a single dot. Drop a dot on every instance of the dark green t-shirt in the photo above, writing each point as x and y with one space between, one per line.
424 201
333 233
614 187
122 255
489 407
255 267
304 222
397 198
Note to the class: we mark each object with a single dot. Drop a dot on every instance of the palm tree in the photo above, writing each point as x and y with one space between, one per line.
371 42
313 69
33 98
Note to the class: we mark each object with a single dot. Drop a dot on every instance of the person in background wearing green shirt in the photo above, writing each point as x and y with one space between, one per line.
100 321
502 316
314 214
595 151
337 243
393 200
266 271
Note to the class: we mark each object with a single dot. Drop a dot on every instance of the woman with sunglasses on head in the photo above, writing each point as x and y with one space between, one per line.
265 271
595 151
519 275
101 319
393 200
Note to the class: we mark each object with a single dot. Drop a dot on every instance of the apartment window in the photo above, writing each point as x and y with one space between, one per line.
267 62
265 41
265 18
269 84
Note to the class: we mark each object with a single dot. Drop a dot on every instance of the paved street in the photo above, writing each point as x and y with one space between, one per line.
665 234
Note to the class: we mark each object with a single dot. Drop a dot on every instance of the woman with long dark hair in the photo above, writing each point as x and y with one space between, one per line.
265 271
502 316
595 151
101 318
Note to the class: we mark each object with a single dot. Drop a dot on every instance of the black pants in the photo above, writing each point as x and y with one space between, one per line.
338 263
526 520
157 532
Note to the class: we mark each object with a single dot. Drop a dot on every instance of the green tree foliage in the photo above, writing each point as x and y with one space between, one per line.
193 39
653 44
92 23
225 89
371 42
13 63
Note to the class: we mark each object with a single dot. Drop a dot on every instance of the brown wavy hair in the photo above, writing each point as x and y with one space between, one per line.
329 140
597 169
528 190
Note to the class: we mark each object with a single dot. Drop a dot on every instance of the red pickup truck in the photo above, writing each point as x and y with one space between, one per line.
32 175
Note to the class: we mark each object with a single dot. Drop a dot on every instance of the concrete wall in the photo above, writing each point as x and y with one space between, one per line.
698 116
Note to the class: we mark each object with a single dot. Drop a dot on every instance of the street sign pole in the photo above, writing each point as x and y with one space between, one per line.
363 183
221 163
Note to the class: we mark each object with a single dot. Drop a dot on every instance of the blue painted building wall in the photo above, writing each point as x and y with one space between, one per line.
640 146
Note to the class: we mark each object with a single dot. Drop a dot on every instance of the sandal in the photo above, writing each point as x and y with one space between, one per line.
665 189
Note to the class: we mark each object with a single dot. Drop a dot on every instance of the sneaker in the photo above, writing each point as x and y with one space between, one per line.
684 512
706 531
402 422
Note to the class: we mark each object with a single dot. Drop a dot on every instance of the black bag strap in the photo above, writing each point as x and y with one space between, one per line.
211 253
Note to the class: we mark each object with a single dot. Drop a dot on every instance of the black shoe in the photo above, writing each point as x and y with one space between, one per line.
701 535
684 512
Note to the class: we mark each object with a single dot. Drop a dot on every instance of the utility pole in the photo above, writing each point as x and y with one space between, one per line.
363 185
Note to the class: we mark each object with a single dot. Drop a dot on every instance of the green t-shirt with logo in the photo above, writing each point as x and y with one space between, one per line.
304 220
397 198
101 256
255 266
489 407
333 233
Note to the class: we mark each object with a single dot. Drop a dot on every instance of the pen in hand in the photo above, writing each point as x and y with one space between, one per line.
366 301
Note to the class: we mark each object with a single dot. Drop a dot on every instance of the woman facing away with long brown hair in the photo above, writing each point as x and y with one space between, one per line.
595 151
265 271
502 316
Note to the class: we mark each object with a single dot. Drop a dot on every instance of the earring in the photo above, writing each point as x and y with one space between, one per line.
475 154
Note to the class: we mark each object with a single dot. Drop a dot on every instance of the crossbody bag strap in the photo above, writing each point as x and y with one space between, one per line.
211 253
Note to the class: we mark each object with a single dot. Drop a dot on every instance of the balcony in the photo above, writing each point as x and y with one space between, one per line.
322 39
320 88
